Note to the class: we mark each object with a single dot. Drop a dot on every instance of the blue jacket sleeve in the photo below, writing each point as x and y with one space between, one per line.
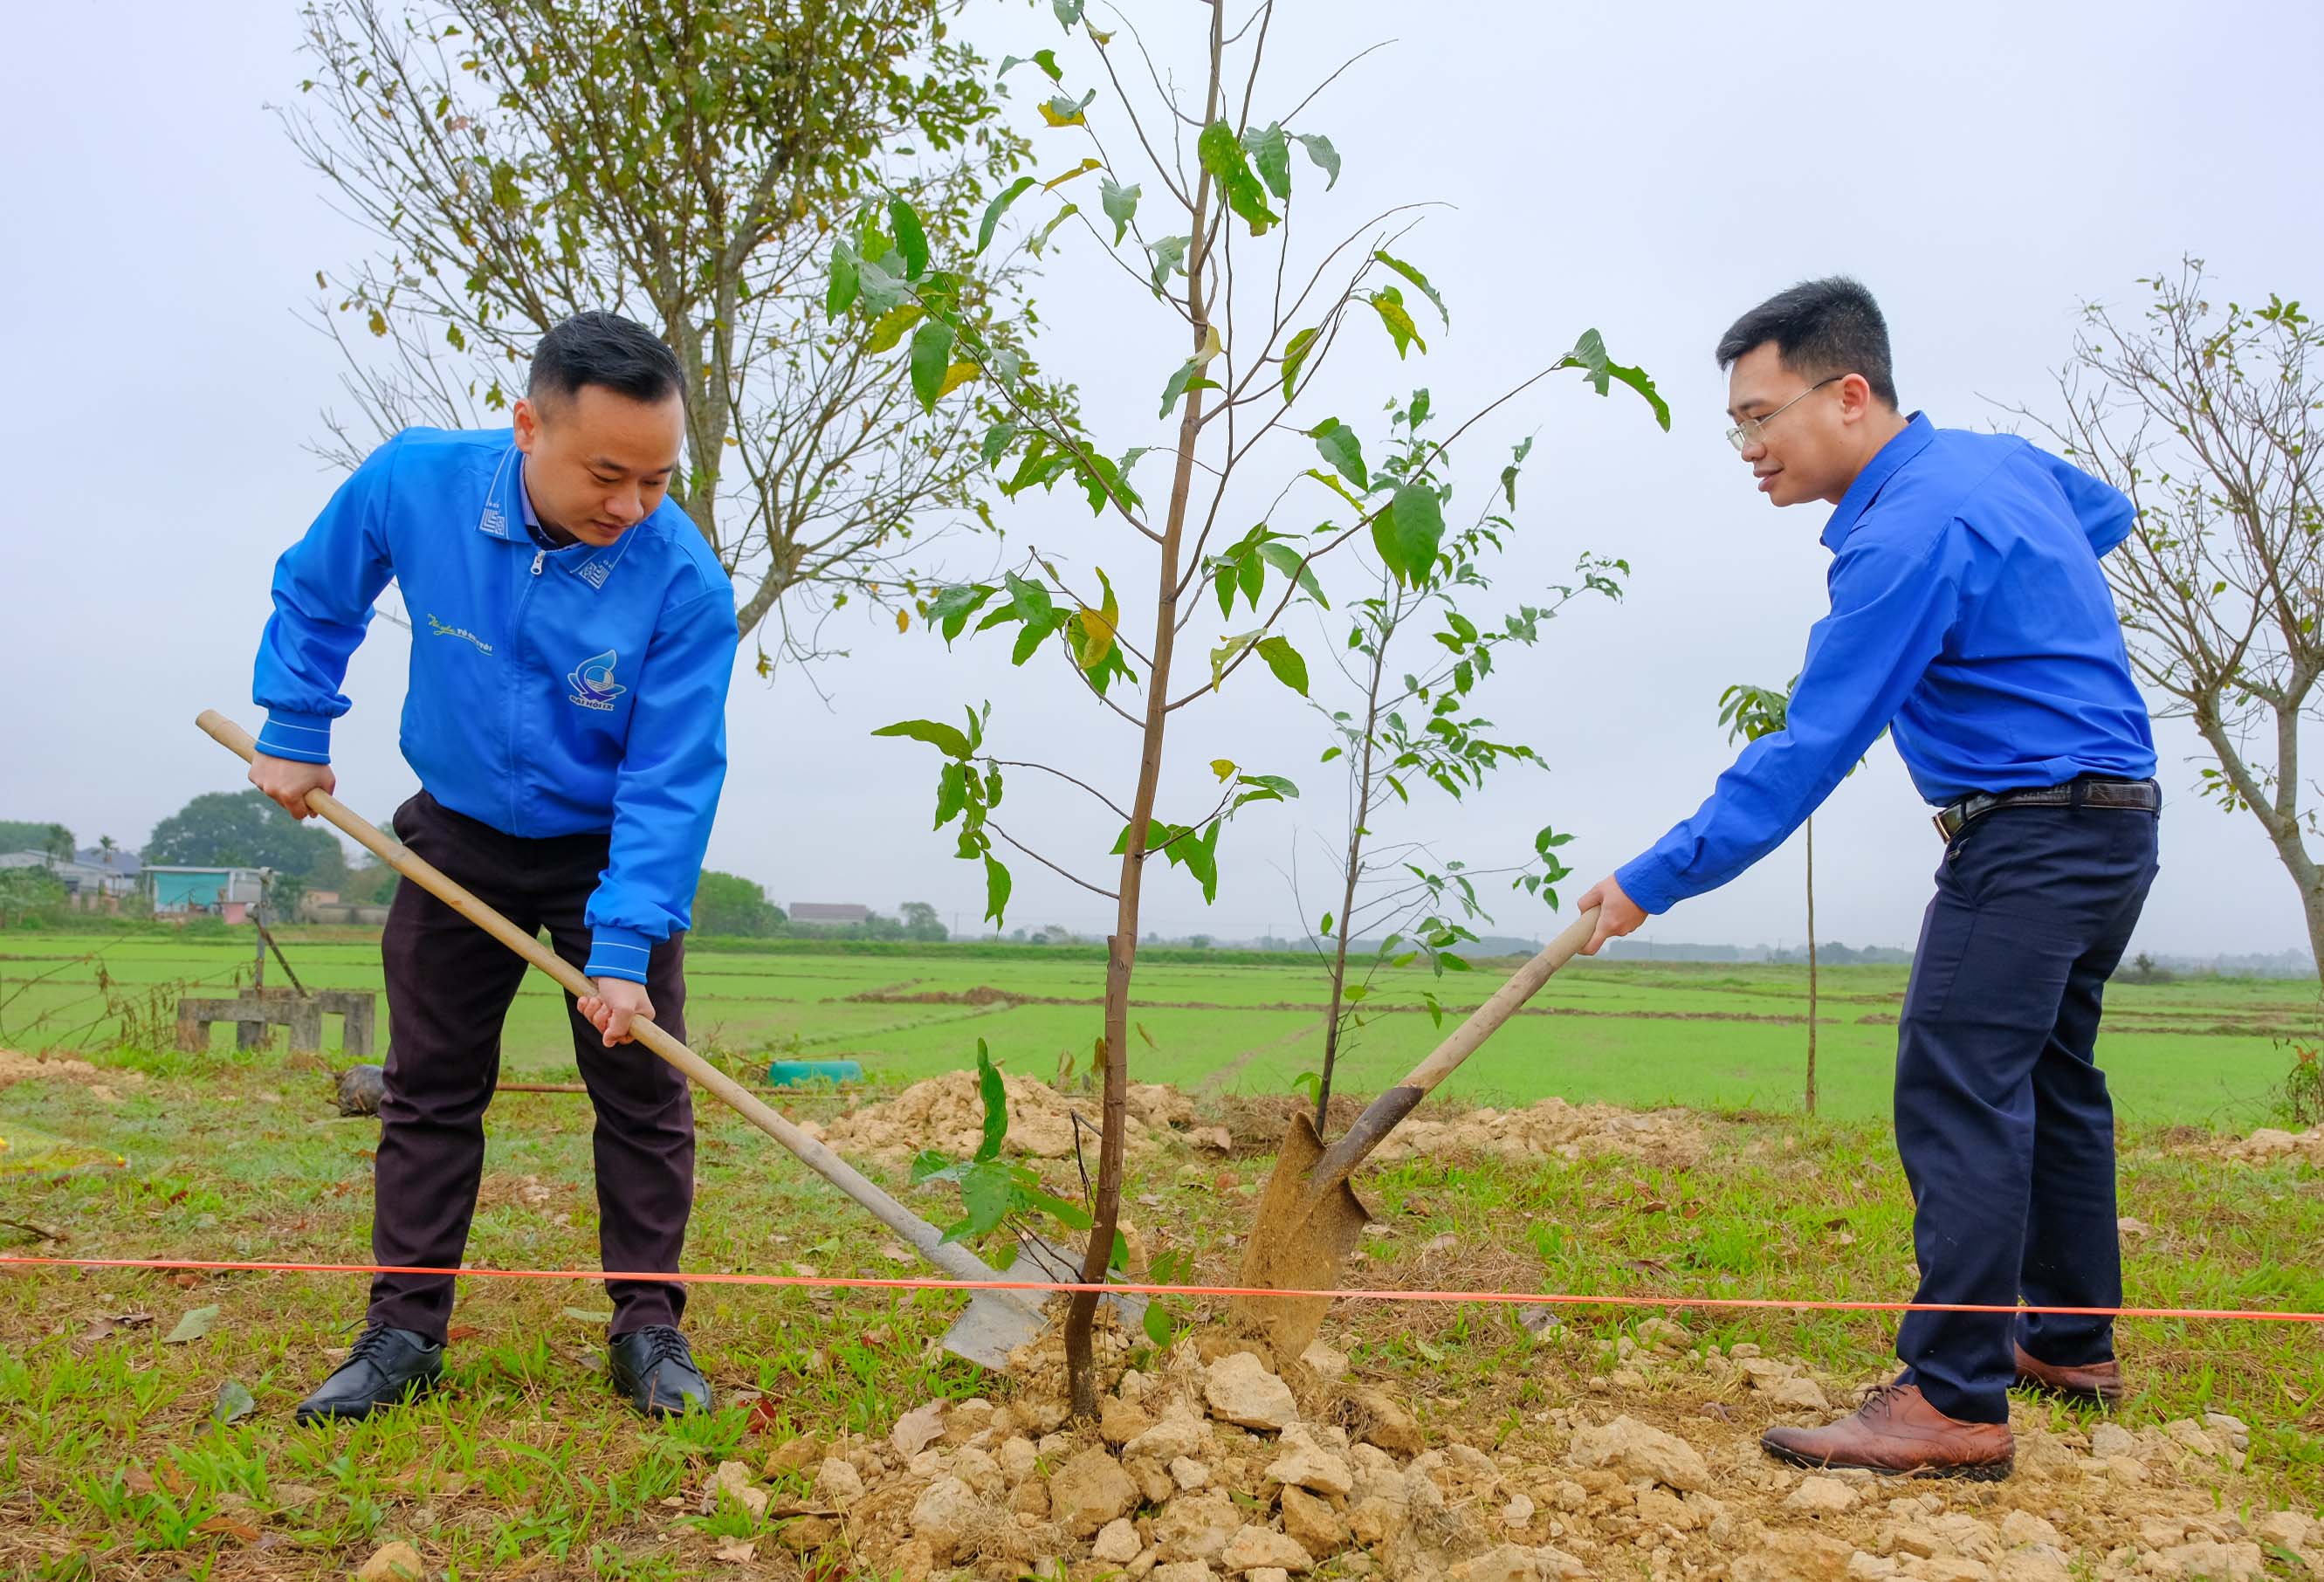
323 586
1892 606
666 792
2104 512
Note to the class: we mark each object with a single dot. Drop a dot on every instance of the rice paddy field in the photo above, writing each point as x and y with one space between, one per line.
2202 1051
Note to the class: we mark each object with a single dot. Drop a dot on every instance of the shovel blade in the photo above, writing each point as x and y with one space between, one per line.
996 1322
1298 1242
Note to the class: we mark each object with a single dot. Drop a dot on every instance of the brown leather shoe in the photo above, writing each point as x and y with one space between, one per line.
1896 1431
2098 1384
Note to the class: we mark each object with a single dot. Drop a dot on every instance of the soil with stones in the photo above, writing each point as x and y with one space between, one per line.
1216 1462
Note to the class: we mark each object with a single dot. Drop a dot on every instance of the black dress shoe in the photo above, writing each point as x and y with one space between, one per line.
656 1371
383 1368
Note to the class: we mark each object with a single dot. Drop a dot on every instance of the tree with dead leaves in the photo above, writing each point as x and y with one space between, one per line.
2206 416
519 161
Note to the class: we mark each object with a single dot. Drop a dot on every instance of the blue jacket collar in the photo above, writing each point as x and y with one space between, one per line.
507 503
1884 466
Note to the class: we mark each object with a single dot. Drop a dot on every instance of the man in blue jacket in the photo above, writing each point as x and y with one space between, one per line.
1969 616
572 640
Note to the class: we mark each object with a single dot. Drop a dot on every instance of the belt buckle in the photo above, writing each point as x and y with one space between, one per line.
1945 830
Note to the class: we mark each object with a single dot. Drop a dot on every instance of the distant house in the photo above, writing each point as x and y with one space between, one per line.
181 892
91 884
823 914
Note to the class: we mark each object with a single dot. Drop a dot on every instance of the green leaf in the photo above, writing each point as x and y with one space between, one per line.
995 1094
1420 280
1419 519
1157 1325
1169 256
1270 150
985 1192
1295 356
1325 930
840 295
1046 60
1289 562
931 360
999 206
234 1401
890 327
996 889
1326 157
196 1324
1589 355
1121 205
1388 303
952 795
998 438
946 739
1223 157
1285 661
911 240
1188 377
1069 11
1338 445
950 608
1071 1215
1039 240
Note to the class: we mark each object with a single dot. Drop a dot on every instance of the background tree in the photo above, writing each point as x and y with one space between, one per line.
1422 904
921 922
728 904
1749 713
19 835
679 161
2206 417
1189 228
247 829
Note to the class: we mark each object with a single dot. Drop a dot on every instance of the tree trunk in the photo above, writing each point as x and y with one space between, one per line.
1811 969
1348 891
1121 949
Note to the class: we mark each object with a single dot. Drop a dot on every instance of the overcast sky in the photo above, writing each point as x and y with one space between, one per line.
1647 170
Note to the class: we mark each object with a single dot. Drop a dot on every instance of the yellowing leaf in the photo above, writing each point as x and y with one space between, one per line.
1222 767
1082 169
958 374
903 620
892 326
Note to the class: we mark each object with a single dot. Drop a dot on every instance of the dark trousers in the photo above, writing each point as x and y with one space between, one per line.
449 985
2003 1119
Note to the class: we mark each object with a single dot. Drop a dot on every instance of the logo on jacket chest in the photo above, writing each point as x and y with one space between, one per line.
592 682
442 629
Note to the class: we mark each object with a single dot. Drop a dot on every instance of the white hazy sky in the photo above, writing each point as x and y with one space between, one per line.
1648 171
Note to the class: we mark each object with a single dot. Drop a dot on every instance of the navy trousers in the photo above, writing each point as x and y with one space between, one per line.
2003 1118
449 985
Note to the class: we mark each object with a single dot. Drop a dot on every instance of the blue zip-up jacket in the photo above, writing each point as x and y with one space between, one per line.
553 692
1970 615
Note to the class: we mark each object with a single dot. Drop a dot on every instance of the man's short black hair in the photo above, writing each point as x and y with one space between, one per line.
607 349
1820 328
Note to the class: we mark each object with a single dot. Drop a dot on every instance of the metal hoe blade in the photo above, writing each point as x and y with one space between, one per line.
996 1322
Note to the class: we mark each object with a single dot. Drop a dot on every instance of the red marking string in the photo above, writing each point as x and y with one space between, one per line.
901 1282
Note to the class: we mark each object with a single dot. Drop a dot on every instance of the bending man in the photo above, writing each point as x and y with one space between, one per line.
572 640
1970 615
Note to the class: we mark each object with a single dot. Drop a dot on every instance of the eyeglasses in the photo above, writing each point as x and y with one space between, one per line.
1747 431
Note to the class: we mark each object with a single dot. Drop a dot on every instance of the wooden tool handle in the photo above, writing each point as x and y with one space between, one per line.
1381 1115
949 1256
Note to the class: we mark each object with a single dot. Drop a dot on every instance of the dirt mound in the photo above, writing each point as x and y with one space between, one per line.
2268 1145
982 994
16 1065
945 1113
1214 1462
1553 1128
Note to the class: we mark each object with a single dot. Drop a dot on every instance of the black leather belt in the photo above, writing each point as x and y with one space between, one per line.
2139 796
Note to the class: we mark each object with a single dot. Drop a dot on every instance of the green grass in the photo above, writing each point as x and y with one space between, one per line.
109 1456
